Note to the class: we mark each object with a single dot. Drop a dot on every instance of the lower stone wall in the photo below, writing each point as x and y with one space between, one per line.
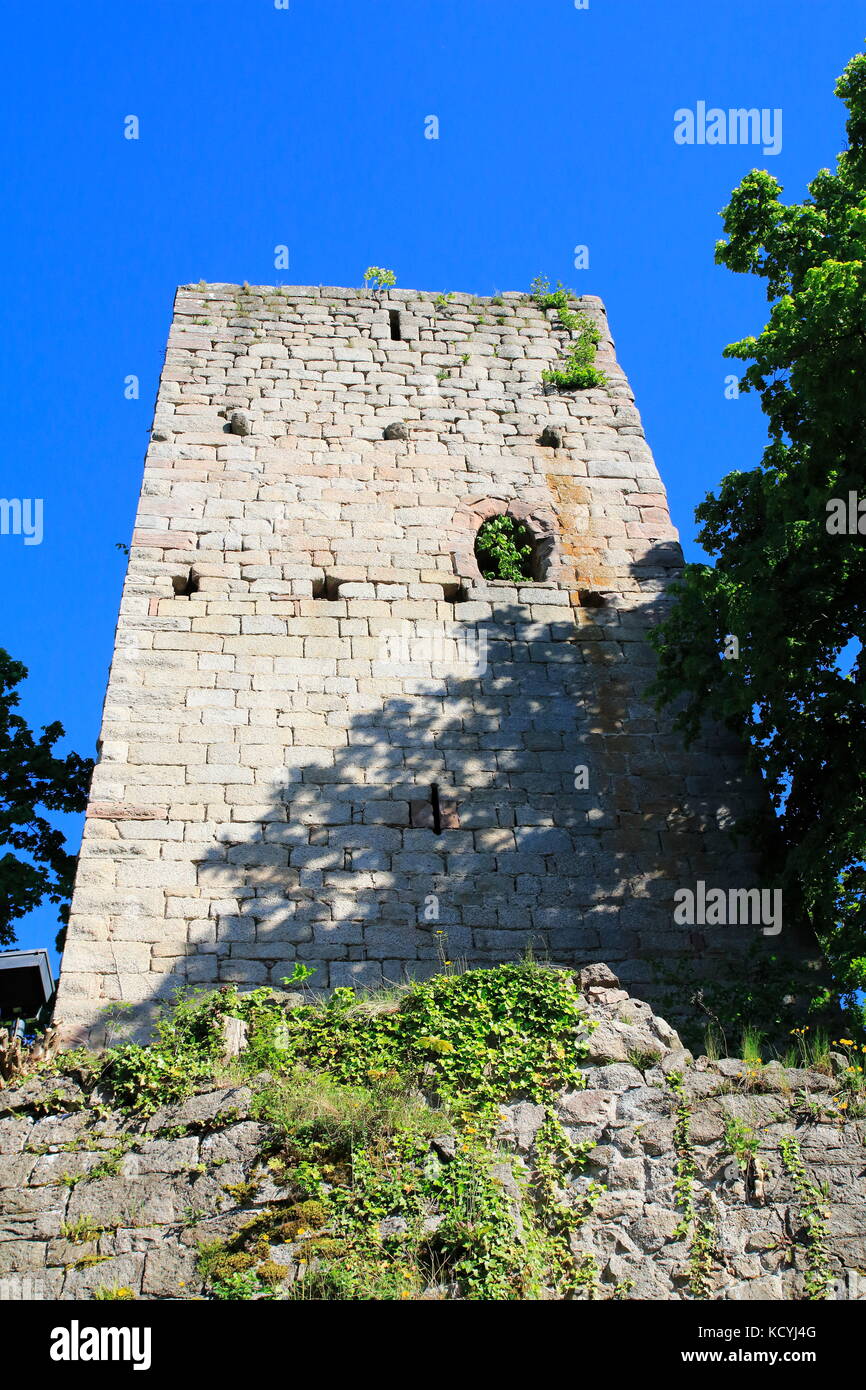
91 1200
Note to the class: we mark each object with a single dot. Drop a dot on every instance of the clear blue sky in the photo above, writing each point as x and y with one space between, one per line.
305 127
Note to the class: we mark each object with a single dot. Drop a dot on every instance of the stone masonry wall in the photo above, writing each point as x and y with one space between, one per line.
92 1199
306 646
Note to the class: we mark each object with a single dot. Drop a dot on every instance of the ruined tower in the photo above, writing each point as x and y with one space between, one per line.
326 737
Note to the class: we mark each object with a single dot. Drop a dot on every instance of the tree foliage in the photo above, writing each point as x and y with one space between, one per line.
793 592
33 780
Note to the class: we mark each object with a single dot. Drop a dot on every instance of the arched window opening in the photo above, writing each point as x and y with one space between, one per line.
505 548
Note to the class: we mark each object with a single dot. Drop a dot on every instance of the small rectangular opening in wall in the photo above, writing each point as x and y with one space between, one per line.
394 321
434 813
437 811
327 588
454 593
185 585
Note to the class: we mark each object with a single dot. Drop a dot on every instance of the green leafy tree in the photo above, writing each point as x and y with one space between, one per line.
784 583
33 779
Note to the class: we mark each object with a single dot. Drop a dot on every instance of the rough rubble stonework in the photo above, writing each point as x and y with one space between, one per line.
305 646
169 1191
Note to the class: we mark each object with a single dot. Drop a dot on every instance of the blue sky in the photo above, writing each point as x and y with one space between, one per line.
305 127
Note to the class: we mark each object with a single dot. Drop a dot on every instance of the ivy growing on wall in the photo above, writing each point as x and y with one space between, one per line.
381 1116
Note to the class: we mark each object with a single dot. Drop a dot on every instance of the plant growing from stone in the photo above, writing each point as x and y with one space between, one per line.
545 297
701 1257
813 1213
243 1285
504 550
83 1229
741 1140
578 372
685 1168
378 279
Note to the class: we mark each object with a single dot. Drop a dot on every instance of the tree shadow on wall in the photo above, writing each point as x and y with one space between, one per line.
341 866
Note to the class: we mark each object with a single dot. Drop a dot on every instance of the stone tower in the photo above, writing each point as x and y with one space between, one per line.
326 737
